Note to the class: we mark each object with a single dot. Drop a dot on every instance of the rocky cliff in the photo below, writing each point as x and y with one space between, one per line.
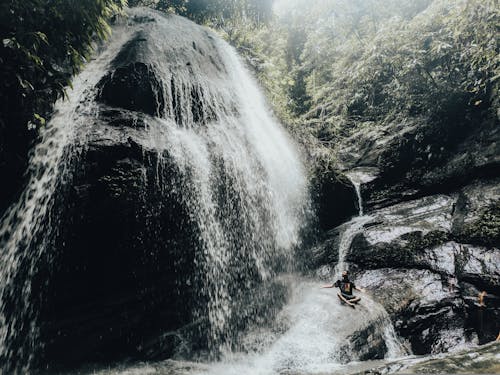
432 244
163 199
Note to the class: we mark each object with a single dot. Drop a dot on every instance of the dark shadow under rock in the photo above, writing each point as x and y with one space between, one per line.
135 87
334 197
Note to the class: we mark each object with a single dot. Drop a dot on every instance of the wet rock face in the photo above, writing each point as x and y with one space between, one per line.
175 217
418 157
476 360
432 245
367 344
123 277
426 261
134 87
426 309
118 304
334 197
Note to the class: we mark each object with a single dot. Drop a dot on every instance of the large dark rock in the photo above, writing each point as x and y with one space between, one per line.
135 87
477 216
426 261
167 241
417 157
123 279
426 309
124 263
334 197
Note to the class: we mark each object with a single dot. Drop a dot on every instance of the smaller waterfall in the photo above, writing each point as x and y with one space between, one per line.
359 176
352 228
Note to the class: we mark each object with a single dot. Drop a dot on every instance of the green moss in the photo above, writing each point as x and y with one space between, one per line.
418 242
404 253
485 230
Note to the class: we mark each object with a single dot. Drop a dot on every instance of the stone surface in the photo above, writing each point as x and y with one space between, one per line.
426 310
135 87
421 261
122 256
480 360
417 157
334 197
123 278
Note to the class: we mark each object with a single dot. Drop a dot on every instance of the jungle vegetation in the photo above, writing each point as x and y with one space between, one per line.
328 67
331 66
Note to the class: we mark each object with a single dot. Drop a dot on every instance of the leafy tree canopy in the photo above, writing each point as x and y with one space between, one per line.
333 65
215 12
44 42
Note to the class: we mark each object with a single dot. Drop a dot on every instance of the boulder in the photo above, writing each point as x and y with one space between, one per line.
123 270
169 230
421 262
419 156
334 197
123 279
481 359
426 309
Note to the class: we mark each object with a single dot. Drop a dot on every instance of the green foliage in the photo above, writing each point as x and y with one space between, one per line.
43 43
342 64
485 230
412 68
218 13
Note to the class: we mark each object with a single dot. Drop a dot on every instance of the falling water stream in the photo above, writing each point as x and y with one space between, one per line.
26 227
229 138
311 334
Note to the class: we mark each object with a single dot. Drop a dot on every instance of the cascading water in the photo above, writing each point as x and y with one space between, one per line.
314 334
221 193
238 175
27 227
359 176
352 228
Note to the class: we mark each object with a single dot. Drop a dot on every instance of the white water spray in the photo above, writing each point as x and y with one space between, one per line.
246 189
28 220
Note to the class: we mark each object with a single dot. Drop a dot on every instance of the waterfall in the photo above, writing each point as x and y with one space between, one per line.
246 188
352 228
27 227
239 175
211 159
377 313
357 176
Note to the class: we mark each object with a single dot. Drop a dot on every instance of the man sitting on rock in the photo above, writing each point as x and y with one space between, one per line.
346 287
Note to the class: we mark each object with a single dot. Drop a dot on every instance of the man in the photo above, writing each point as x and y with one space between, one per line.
346 287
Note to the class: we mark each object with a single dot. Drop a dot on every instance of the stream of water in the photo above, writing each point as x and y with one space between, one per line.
245 191
311 335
